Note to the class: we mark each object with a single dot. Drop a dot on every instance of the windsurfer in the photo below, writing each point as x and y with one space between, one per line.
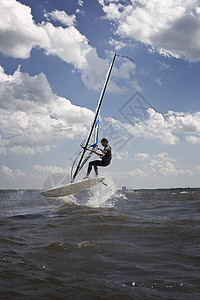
105 156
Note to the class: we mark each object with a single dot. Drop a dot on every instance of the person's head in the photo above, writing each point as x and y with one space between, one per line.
104 142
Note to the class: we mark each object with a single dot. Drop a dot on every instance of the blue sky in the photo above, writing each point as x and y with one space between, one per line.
54 56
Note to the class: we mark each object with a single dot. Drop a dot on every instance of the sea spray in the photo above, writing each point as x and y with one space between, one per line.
102 195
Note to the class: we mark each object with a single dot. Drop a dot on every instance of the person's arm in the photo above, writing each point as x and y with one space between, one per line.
100 149
100 154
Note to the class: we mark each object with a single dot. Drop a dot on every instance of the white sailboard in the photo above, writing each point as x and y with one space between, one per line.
87 150
72 188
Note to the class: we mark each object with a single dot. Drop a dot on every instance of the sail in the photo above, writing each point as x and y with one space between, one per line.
87 152
92 139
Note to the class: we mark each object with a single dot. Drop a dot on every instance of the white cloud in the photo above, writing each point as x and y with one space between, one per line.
80 11
43 177
55 176
136 86
18 179
94 77
67 43
120 155
193 139
80 2
167 128
19 34
10 175
154 128
50 169
137 172
32 118
7 172
125 70
171 27
62 17
162 165
158 81
164 66
185 122
141 156
117 44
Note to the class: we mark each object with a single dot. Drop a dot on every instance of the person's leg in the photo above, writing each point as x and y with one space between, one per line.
96 164
89 168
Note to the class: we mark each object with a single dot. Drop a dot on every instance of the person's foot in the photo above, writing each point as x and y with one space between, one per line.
97 175
86 177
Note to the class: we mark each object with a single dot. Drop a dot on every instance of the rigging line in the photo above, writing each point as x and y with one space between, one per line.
125 57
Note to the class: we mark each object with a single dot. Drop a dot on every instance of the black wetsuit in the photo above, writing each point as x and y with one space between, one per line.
105 160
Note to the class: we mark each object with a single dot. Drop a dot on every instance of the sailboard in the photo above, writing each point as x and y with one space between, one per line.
84 155
72 188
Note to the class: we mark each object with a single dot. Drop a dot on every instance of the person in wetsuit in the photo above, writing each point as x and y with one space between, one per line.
105 155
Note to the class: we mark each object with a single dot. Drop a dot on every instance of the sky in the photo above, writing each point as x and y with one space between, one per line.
54 56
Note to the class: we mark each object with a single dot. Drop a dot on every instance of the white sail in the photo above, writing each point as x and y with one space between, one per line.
92 139
87 152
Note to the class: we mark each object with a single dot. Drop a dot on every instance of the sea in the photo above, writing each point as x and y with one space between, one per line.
100 244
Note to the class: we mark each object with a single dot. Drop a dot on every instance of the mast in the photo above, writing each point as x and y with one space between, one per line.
96 115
